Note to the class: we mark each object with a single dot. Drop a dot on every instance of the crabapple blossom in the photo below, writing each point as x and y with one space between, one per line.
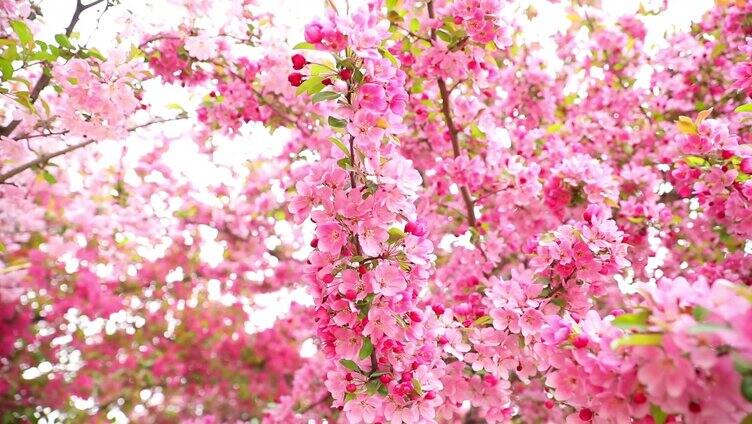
455 222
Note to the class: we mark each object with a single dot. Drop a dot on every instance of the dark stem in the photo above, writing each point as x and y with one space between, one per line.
314 404
43 159
374 362
447 112
352 162
469 203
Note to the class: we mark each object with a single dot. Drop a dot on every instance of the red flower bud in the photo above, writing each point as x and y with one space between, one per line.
639 398
298 61
345 74
295 79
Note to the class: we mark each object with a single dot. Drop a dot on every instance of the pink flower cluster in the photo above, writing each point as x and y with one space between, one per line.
95 104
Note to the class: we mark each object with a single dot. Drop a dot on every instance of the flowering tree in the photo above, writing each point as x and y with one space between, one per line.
489 232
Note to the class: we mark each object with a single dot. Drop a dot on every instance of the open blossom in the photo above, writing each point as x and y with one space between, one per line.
362 410
388 280
742 77
331 237
372 97
202 47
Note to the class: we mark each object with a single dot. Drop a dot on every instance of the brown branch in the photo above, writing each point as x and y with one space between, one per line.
315 404
30 136
445 108
352 162
80 8
43 159
447 112
374 362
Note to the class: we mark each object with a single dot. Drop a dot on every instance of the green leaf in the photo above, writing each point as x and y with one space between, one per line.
659 417
304 46
644 339
636 320
187 213
316 69
366 349
554 128
742 366
414 25
695 161
350 365
344 163
48 177
700 313
337 123
383 391
349 396
23 98
388 55
6 69
686 125
2 247
372 387
96 54
747 387
476 132
744 108
324 96
416 386
340 145
707 328
311 86
395 235
483 321
23 32
445 36
176 106
391 4
365 305
636 219
63 41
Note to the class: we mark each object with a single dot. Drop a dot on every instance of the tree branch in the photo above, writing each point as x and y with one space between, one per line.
315 404
80 8
48 156
447 112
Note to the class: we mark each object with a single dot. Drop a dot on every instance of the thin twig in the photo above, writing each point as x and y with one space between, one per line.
43 159
445 108
315 404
